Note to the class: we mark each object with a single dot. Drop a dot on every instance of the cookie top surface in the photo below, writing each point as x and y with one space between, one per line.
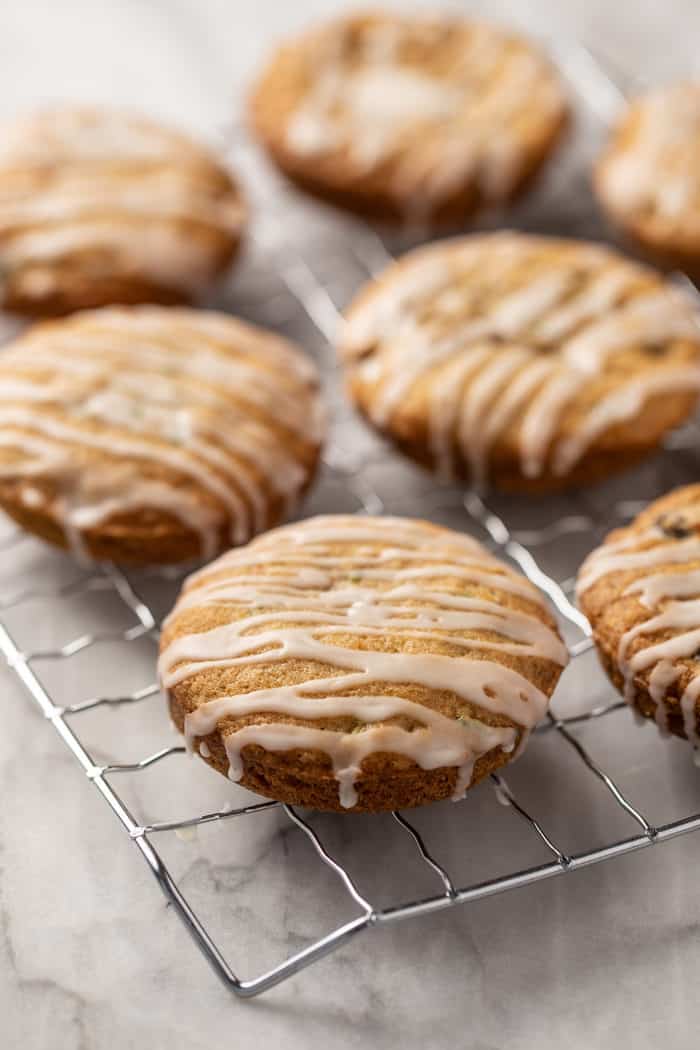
145 419
427 105
506 345
649 176
129 197
354 636
641 592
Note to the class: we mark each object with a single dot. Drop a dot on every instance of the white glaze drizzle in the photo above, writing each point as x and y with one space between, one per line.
444 408
299 593
471 117
202 395
489 367
673 601
620 406
657 168
663 675
74 179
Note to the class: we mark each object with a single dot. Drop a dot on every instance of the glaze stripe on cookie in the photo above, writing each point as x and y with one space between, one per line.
186 393
477 104
76 180
670 591
507 329
651 170
307 592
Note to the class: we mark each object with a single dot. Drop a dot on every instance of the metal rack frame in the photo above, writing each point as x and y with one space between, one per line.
310 293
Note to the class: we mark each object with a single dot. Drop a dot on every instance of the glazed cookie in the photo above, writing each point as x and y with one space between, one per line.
648 178
100 207
154 435
359 663
532 363
408 117
641 592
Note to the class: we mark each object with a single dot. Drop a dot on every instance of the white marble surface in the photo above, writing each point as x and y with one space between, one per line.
90 958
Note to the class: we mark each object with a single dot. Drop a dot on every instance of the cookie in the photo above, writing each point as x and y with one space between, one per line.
403 117
648 177
359 663
100 207
144 435
641 592
527 362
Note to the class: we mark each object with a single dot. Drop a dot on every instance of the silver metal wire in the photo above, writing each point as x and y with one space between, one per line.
423 851
304 287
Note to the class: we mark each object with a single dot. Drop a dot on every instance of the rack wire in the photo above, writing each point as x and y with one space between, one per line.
297 284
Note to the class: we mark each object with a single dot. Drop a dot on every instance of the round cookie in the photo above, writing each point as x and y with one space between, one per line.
648 177
145 435
527 362
359 663
641 592
408 117
100 207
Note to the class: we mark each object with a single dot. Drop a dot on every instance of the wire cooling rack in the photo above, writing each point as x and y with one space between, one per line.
577 799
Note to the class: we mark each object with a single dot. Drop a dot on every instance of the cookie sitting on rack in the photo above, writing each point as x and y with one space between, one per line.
147 435
359 663
409 118
528 362
99 207
648 178
641 592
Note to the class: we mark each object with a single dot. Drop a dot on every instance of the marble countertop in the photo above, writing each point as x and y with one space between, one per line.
90 956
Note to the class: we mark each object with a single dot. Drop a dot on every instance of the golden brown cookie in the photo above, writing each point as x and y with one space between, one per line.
527 362
99 207
648 177
407 117
641 592
154 435
359 663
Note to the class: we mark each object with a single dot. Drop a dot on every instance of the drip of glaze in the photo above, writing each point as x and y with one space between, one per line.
438 741
299 594
620 406
673 601
661 678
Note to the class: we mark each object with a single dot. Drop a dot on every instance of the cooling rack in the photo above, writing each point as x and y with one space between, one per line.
303 265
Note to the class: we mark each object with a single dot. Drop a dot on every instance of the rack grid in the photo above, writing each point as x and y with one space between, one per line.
304 270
